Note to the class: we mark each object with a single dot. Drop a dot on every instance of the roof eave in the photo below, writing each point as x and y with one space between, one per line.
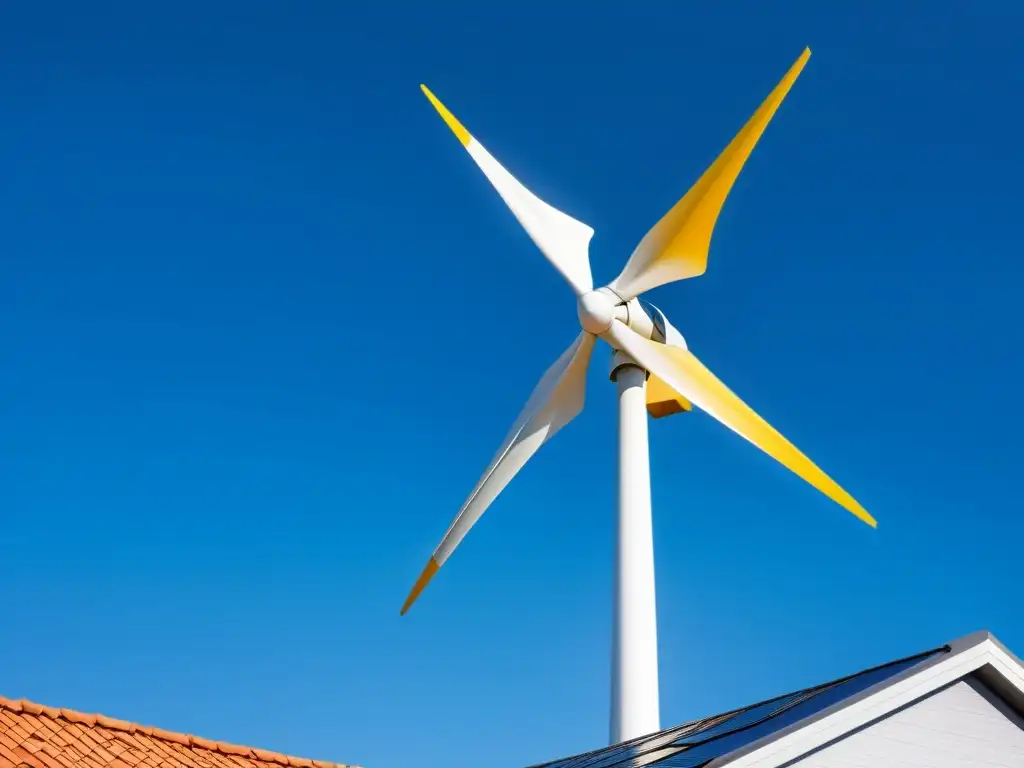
979 653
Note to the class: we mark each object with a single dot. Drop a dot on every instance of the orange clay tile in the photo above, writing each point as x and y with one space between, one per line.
38 736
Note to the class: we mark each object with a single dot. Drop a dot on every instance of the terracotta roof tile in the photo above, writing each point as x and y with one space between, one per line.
38 736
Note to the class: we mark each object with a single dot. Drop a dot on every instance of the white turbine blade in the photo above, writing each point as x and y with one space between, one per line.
677 246
688 376
557 399
564 240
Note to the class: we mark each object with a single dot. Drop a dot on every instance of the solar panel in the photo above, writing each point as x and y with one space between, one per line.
694 744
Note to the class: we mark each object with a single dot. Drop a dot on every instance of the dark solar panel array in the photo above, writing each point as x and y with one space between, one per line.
695 744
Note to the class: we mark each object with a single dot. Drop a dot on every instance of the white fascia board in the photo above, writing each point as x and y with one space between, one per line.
976 651
1007 665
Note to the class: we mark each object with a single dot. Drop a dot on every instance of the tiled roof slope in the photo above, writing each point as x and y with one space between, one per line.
46 737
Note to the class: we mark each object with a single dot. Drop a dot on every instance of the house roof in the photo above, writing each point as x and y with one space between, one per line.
772 733
37 736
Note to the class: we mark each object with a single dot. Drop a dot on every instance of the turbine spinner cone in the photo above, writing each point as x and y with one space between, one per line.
596 311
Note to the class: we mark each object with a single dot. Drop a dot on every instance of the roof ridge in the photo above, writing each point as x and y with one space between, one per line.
185 739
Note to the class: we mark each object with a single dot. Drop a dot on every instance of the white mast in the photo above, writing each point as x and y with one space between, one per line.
634 690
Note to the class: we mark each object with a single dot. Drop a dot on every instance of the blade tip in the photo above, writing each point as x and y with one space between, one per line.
865 516
424 579
407 605
800 62
456 127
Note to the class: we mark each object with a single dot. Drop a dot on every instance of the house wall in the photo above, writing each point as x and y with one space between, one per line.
960 726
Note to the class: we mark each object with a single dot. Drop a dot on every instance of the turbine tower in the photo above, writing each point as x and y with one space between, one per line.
655 373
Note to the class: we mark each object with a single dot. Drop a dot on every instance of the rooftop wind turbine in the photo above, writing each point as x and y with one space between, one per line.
655 372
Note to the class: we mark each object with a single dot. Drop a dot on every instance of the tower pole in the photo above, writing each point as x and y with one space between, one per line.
634 695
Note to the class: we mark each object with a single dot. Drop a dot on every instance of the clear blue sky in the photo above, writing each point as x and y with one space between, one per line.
264 323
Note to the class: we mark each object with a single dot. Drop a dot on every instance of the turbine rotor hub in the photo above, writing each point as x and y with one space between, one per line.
597 310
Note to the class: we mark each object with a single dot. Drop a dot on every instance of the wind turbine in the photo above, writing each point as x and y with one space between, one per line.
655 373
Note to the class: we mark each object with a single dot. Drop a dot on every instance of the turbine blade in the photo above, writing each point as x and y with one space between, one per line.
562 239
677 246
682 371
557 399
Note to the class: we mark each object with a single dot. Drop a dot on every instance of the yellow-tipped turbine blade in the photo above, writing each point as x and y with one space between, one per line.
428 573
557 399
457 128
677 246
681 370
561 238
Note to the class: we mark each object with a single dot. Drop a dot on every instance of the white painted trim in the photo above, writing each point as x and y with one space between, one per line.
876 702
1007 666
